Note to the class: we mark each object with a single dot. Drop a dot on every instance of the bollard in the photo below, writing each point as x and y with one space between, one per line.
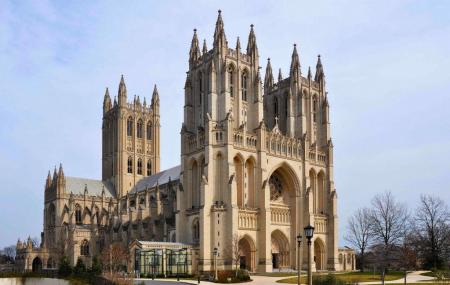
198 279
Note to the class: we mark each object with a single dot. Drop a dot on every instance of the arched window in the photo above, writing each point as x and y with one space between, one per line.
244 86
286 105
315 108
139 129
149 168
51 215
78 219
231 81
200 88
130 126
130 165
139 166
84 248
196 231
275 107
149 130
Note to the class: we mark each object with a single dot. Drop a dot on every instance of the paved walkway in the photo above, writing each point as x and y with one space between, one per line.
413 277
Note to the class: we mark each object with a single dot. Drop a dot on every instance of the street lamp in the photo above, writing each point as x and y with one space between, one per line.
309 232
215 262
299 260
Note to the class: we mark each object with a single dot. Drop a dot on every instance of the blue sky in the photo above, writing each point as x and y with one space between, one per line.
386 64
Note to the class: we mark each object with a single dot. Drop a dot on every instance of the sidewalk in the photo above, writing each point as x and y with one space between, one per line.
413 277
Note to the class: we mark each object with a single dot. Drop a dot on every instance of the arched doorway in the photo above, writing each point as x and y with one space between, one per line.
36 265
280 250
247 251
319 254
50 263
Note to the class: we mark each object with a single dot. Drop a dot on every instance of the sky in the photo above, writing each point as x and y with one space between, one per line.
387 69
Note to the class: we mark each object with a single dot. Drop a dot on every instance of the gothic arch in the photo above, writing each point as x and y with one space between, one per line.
319 254
247 250
313 188
249 195
195 184
321 192
238 162
280 249
36 265
218 176
289 176
87 216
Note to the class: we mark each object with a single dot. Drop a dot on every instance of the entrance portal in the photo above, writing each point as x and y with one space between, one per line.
247 251
280 250
37 265
319 254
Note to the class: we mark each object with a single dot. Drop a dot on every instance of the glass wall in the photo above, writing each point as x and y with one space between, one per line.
162 262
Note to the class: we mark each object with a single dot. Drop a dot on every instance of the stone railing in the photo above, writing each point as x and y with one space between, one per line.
319 157
280 215
320 224
277 144
245 141
248 219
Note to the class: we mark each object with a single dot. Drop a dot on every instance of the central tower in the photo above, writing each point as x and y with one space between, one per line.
130 139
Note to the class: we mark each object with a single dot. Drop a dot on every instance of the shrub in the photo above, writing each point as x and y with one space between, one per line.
329 279
96 268
235 277
80 268
64 269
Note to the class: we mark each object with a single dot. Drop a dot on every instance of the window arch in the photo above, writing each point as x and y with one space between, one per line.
51 215
244 86
139 166
149 130
130 165
275 107
130 126
139 129
286 104
149 168
231 80
78 219
200 88
84 248
196 231
315 108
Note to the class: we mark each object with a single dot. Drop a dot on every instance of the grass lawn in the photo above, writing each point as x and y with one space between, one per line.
351 277
438 273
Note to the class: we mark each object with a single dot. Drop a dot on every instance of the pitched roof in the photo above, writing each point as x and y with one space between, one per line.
94 187
159 178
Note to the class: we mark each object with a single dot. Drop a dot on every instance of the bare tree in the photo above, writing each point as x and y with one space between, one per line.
236 251
114 257
432 230
10 251
35 241
388 221
358 232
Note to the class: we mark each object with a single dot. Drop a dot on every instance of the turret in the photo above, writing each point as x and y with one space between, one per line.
61 177
220 40
238 46
48 181
280 76
122 94
319 70
29 243
194 52
205 48
19 244
252 48
55 176
155 101
268 78
295 70
106 102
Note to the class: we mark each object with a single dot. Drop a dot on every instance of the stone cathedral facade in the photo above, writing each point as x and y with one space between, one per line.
256 168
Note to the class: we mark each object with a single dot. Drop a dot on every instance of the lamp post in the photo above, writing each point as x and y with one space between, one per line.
299 260
309 232
215 263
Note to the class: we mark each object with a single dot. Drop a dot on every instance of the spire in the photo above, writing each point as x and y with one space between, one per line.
238 45
280 76
155 96
55 175
309 73
187 83
295 62
220 39
60 171
106 101
145 102
194 53
48 181
122 92
205 48
252 48
268 78
319 70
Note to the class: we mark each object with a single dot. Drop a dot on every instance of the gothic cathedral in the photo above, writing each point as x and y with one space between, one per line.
256 168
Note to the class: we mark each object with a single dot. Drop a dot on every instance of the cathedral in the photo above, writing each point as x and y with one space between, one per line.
256 168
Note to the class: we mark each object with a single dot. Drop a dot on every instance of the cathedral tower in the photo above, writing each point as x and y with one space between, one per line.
130 139
255 167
